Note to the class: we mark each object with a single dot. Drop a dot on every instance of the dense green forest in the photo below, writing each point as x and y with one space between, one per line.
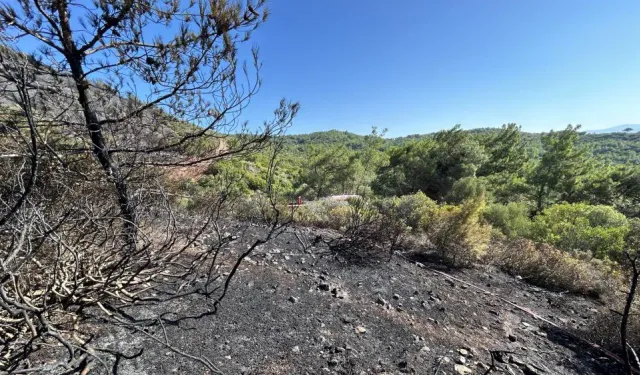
576 191
509 165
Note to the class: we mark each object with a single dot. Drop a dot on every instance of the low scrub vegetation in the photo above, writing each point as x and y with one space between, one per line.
549 267
561 249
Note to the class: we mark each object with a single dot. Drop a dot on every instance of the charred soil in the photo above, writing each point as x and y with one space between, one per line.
295 310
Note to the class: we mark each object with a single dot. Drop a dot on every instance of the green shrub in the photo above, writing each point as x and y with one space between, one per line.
466 188
511 219
457 232
599 230
410 211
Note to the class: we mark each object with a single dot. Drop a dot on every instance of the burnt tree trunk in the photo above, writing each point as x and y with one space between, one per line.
627 311
100 149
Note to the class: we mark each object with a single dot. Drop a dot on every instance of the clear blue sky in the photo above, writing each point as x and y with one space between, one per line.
416 66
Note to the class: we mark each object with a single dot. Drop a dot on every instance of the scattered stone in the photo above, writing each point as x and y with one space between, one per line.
513 338
293 299
518 277
332 362
463 352
450 282
462 370
337 293
541 333
324 287
348 319
461 360
296 349
360 329
425 349
396 296
381 301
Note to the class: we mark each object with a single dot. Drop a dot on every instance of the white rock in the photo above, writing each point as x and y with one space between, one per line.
462 370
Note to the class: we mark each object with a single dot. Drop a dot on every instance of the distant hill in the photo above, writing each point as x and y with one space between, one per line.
56 97
617 129
610 145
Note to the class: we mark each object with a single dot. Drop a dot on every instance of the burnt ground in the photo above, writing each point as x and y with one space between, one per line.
290 311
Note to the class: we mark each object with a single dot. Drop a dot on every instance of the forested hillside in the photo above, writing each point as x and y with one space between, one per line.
620 147
505 162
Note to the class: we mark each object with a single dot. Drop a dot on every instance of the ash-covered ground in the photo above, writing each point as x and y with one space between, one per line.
295 311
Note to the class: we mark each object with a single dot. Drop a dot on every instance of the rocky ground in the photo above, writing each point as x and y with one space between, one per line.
291 311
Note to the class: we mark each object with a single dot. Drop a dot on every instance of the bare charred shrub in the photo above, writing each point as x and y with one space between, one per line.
64 260
370 232
605 329
631 267
552 268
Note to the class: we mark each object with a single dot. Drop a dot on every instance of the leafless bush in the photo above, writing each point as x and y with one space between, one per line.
87 226
63 254
605 330
369 235
631 264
